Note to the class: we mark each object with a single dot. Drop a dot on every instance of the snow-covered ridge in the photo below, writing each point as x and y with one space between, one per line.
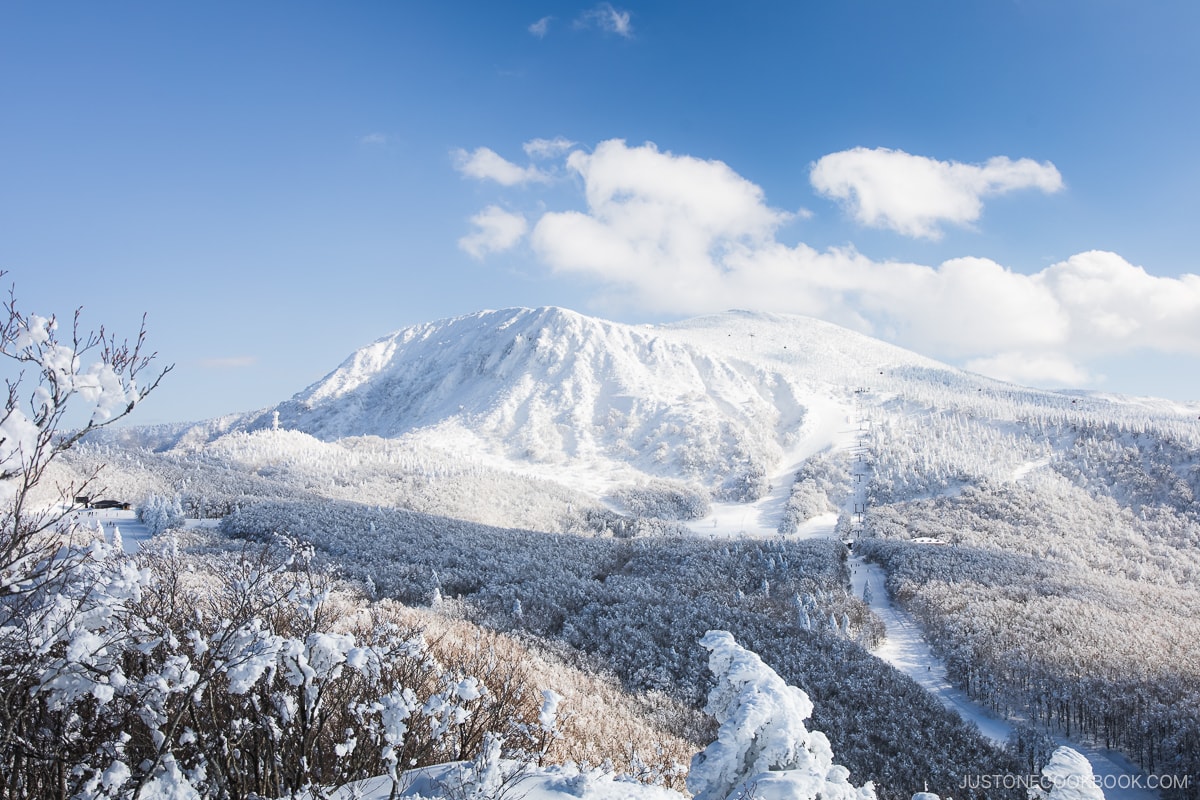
550 386
720 401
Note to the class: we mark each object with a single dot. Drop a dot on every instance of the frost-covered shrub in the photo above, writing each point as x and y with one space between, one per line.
246 681
587 718
663 499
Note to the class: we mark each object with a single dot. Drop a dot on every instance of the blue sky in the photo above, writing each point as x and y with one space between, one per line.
1009 186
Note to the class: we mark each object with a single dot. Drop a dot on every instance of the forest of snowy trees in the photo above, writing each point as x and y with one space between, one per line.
1068 592
641 606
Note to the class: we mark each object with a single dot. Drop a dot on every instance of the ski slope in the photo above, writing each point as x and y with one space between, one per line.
117 524
906 649
829 426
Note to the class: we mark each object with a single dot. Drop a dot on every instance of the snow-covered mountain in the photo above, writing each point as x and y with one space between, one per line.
722 401
716 400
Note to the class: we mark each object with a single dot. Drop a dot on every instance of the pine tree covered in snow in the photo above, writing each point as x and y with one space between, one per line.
1070 776
159 513
763 748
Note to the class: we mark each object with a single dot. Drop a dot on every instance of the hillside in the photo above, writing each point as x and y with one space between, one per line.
554 388
722 402
1048 543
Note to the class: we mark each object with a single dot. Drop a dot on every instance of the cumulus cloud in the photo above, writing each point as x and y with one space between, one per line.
547 148
485 164
675 234
914 195
654 217
608 19
541 27
1111 301
495 230
1047 369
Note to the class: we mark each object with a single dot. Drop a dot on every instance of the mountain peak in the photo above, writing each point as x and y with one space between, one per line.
716 400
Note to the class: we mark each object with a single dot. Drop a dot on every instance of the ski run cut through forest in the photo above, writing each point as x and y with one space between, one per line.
533 554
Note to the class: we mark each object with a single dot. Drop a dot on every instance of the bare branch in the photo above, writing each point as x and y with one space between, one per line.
57 372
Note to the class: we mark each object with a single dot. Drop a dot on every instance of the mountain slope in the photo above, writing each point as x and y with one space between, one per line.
716 401
720 401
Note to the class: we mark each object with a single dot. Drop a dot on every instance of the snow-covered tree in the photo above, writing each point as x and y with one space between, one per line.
762 745
1070 775
159 513
51 378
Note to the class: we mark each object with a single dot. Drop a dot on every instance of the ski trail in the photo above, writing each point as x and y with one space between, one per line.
825 428
113 521
1028 467
906 648
133 531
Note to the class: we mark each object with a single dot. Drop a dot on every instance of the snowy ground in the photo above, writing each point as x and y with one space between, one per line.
125 524
550 783
907 650
1028 467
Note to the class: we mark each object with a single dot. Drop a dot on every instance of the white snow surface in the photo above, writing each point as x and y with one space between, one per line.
829 426
545 783
124 527
1072 777
906 649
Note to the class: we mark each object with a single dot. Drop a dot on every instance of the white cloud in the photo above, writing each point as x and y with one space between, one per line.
373 139
547 148
914 195
655 220
1112 302
495 230
675 234
541 27
607 18
485 164
1049 370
